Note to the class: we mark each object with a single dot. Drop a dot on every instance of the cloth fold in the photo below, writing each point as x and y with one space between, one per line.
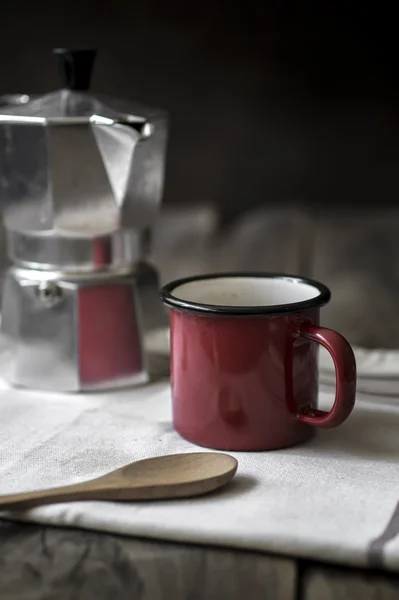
377 370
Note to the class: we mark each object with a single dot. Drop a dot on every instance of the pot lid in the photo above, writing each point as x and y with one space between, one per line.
73 100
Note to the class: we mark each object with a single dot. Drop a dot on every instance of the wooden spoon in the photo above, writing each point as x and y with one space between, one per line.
170 476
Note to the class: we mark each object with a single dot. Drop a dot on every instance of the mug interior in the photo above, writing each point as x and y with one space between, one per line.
246 291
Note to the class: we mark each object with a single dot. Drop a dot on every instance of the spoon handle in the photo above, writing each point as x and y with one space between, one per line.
68 493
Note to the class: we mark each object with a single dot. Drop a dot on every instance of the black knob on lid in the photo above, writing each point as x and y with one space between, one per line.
75 67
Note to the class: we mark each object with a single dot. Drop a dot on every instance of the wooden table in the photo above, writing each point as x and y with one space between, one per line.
42 563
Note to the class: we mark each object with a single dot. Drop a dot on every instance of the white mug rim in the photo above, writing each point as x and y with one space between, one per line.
180 304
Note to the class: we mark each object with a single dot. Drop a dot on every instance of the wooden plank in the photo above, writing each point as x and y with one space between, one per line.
42 563
327 583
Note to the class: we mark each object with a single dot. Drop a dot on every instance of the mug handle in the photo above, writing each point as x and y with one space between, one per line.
345 373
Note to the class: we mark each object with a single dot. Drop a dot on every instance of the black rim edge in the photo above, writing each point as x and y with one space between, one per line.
221 310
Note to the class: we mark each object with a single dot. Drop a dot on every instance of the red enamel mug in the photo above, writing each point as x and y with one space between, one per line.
244 360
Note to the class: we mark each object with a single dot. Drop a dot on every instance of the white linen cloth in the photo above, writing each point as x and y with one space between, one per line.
334 498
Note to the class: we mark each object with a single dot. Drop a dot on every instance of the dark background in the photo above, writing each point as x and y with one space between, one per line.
270 102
